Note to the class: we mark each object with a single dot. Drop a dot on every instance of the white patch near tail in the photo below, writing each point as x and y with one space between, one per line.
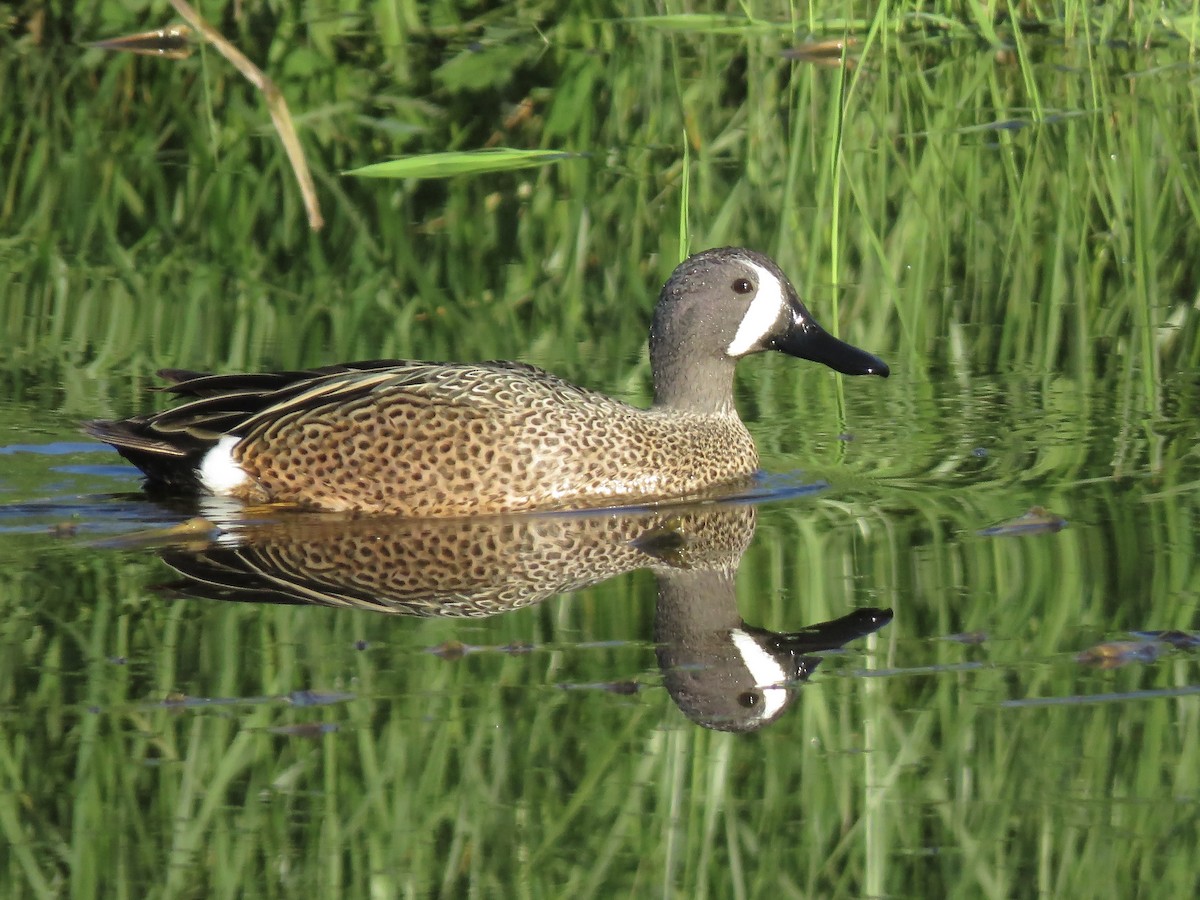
769 675
764 312
219 473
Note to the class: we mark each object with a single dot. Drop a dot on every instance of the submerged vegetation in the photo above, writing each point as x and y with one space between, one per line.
1005 206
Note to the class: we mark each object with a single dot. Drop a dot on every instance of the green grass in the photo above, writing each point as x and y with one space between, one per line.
158 189
1007 214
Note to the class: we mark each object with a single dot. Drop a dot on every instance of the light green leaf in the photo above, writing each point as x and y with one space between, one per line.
466 162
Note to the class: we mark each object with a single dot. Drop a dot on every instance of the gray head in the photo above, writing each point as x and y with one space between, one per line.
721 305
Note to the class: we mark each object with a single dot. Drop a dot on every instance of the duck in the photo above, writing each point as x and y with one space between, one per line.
436 439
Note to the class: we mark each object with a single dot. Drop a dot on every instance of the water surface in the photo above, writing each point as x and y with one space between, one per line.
1013 227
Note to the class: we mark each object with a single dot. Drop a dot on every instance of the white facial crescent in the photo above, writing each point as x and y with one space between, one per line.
765 310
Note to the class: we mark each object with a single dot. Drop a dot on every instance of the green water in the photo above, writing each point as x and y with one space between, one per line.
1008 217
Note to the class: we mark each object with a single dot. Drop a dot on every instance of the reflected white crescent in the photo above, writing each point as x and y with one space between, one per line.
768 674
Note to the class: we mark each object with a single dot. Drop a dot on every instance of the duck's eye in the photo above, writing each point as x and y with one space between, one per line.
742 286
748 699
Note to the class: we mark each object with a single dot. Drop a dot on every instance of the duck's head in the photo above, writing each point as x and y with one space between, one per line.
723 304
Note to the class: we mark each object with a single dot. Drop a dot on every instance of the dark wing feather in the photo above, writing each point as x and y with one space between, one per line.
205 384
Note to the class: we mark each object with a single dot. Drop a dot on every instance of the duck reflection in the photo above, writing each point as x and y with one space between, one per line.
720 671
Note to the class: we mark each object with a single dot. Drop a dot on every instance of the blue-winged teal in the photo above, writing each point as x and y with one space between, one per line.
452 439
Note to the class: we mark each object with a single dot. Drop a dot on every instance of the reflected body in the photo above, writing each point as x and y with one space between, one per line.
439 439
722 672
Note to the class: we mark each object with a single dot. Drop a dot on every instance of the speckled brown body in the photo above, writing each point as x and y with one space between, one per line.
429 440
470 567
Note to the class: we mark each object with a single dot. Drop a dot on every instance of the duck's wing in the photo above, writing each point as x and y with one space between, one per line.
168 446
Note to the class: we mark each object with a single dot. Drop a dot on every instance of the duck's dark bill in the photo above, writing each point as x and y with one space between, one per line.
808 340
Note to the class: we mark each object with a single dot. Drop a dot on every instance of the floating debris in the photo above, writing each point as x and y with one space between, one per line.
627 687
1148 647
1037 521
309 730
1180 640
176 700
451 650
968 637
316 698
1114 654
